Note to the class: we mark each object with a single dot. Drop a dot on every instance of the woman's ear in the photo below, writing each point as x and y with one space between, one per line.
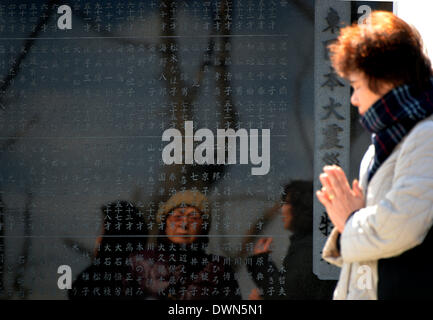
385 87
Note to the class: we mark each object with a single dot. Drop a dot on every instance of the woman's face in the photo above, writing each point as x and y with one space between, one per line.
183 225
362 97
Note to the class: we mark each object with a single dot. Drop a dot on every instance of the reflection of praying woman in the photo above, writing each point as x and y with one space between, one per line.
382 239
295 280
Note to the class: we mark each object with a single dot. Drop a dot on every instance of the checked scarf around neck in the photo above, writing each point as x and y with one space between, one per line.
392 117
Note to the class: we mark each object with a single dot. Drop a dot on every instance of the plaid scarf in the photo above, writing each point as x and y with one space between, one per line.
392 117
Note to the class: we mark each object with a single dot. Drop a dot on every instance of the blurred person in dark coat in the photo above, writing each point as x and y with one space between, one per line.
295 280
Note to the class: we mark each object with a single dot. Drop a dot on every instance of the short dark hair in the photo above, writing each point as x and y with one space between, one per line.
299 194
386 49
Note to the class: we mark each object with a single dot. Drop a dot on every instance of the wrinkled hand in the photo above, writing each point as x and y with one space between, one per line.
263 246
255 295
338 198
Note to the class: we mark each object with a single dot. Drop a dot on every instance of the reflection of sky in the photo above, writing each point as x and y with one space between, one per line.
95 141
418 13
103 106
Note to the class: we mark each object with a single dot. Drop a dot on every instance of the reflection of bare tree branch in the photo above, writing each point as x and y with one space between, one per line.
15 69
194 90
173 71
182 96
9 142
23 259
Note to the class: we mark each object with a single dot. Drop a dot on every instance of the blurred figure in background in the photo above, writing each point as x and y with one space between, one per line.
176 266
295 281
123 233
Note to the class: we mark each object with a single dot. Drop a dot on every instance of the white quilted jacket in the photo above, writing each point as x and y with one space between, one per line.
397 216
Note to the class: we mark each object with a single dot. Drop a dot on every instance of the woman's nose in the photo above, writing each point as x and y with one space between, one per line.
184 222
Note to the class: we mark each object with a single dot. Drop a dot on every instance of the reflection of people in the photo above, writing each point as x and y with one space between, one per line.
382 240
177 267
103 279
296 279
